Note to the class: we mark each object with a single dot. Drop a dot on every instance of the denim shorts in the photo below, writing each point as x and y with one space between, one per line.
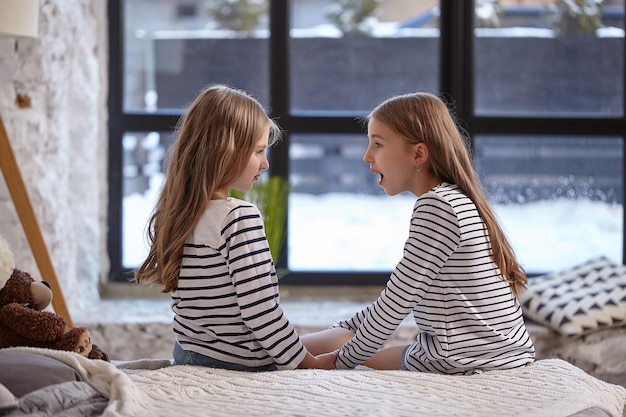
188 357
403 360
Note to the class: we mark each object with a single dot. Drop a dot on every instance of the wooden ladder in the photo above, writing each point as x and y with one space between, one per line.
24 208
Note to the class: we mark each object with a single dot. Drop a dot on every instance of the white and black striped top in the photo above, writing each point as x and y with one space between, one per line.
468 317
226 303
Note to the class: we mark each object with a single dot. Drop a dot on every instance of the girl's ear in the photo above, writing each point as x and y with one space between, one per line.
421 154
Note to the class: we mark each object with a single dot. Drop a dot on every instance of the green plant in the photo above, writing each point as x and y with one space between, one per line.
270 195
576 17
239 15
352 17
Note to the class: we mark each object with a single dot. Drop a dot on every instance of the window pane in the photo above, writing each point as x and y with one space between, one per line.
142 179
341 65
549 58
173 49
144 154
339 218
560 199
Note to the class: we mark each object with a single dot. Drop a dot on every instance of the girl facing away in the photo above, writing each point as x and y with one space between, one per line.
210 251
458 275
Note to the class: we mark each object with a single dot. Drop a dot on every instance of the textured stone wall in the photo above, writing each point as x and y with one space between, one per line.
58 135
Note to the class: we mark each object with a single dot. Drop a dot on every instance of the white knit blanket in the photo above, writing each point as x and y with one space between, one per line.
549 387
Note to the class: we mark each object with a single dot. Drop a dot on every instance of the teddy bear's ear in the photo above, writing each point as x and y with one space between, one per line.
7 262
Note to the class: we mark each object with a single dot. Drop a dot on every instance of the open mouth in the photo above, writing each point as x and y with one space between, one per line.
380 175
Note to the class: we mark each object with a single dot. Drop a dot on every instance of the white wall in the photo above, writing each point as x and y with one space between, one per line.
60 142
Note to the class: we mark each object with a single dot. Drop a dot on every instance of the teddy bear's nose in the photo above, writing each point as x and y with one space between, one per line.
46 284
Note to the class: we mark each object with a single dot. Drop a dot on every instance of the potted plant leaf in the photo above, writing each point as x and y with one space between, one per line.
270 195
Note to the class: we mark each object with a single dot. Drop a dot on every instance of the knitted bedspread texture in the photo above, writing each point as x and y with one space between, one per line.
148 387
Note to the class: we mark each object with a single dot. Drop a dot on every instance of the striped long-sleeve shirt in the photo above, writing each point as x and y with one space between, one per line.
226 303
468 316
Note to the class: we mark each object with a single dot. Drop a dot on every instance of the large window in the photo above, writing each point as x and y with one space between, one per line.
539 88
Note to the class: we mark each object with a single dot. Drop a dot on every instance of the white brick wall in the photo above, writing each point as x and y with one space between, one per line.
60 141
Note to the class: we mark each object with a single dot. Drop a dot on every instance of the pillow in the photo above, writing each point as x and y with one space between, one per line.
24 372
580 300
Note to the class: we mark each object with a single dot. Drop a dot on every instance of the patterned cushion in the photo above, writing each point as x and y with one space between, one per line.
588 297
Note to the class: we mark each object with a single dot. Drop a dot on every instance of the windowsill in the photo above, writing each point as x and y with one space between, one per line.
120 290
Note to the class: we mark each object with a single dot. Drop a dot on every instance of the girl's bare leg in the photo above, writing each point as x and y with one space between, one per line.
327 340
388 359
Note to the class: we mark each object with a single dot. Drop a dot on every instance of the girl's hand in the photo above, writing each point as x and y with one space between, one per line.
322 361
327 360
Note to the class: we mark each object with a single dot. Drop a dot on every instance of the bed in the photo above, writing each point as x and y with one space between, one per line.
152 387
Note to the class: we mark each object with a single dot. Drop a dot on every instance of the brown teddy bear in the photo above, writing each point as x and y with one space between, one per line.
23 321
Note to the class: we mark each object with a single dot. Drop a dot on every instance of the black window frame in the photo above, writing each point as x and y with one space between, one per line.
456 80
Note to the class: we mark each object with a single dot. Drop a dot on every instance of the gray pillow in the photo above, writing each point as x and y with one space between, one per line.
7 400
25 372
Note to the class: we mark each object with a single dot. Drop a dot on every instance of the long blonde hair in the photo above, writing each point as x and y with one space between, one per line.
423 117
214 141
